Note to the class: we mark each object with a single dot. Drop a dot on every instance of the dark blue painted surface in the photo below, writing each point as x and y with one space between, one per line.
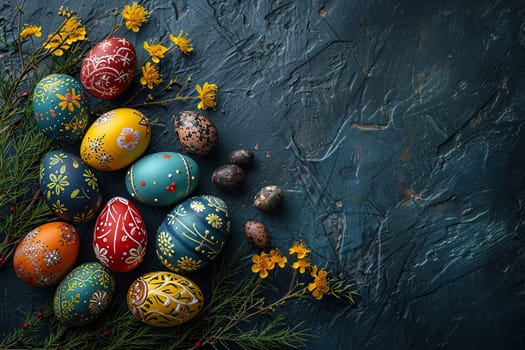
395 129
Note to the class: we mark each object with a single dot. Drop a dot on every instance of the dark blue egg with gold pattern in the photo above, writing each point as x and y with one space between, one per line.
60 108
193 233
70 187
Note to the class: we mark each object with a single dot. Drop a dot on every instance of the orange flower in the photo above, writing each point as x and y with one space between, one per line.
300 249
278 258
183 43
29 30
319 286
207 96
150 75
156 51
261 264
135 16
301 264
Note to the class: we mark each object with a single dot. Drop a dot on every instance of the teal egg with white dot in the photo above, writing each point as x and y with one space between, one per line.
162 178
60 108
193 233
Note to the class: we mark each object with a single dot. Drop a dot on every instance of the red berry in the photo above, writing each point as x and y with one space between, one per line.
2 260
12 210
106 333
39 314
198 344
25 325
19 340
24 94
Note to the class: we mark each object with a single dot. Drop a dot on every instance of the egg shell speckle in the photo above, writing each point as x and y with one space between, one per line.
46 254
196 133
116 139
109 67
84 294
60 107
193 233
70 187
119 237
257 234
162 178
164 299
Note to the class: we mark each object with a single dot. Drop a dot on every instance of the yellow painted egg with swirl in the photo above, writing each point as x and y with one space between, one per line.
116 139
164 299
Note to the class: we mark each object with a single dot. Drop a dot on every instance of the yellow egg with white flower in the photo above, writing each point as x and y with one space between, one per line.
116 139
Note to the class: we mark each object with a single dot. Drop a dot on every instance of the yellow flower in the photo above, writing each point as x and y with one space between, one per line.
135 16
156 51
150 75
65 12
69 100
56 44
261 264
278 258
319 286
73 31
301 264
207 95
30 30
188 264
183 43
300 249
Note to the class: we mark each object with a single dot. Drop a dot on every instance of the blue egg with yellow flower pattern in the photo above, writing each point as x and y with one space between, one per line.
84 294
193 233
162 178
60 107
70 187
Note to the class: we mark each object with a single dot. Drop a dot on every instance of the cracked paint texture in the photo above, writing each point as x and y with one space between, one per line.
396 129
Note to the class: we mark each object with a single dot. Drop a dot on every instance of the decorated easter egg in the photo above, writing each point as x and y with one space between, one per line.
46 254
193 233
116 139
109 68
120 237
70 187
164 299
60 107
162 178
84 294
196 133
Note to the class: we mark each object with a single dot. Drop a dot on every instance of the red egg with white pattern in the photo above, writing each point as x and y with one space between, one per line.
109 68
119 236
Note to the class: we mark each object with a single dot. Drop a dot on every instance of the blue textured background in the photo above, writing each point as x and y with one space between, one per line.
395 129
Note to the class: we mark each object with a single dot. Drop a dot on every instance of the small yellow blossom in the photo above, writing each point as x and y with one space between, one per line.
73 31
29 30
319 286
300 249
156 51
182 42
135 16
207 96
65 12
56 44
69 100
301 264
261 264
150 75
278 258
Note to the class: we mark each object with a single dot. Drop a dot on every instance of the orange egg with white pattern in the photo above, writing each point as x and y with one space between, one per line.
46 254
